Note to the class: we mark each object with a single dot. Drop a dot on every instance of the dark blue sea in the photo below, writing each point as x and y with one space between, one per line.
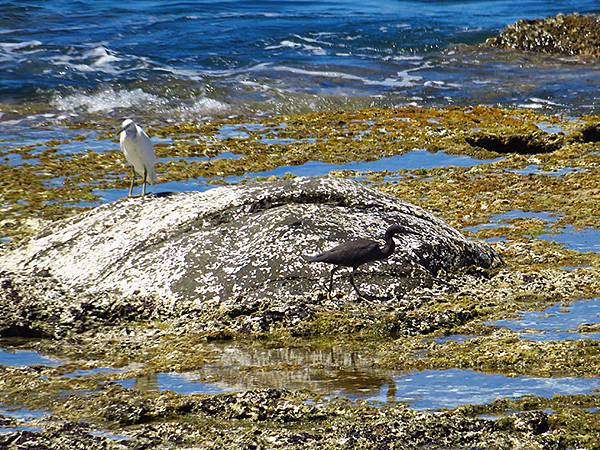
186 60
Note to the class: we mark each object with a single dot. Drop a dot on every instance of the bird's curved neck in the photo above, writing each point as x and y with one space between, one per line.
389 246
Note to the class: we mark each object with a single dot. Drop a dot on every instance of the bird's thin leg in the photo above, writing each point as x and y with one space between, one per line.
331 279
144 185
353 283
132 181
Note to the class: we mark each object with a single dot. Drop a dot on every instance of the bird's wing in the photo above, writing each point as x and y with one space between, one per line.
146 152
364 248
350 253
145 147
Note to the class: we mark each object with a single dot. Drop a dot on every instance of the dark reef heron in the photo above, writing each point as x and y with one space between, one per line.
358 252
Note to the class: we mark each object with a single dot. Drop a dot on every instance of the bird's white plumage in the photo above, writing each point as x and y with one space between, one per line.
138 149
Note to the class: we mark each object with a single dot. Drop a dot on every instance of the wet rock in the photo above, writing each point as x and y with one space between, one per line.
129 407
240 249
257 405
535 422
566 34
59 436
7 421
530 143
36 306
589 133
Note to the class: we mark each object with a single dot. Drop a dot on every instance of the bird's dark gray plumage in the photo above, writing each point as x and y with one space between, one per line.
358 252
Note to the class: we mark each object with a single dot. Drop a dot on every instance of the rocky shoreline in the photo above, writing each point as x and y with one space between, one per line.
140 334
132 289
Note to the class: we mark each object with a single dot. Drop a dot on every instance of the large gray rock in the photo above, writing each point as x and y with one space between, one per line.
234 244
236 241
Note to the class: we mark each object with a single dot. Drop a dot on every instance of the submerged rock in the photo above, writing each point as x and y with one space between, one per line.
566 34
236 247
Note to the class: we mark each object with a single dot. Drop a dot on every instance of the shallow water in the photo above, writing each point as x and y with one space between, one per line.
428 389
109 435
455 338
586 240
535 169
502 220
181 383
24 358
89 372
7 430
22 414
436 389
415 159
556 322
338 372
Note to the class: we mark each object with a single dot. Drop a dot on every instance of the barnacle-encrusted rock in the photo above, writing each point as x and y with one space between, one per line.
571 34
236 247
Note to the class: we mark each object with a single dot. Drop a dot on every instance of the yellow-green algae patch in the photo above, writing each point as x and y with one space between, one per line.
337 137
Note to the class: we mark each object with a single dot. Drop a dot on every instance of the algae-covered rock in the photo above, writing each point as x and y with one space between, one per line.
566 34
231 246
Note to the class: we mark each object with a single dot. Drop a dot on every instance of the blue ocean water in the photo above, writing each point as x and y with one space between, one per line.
194 58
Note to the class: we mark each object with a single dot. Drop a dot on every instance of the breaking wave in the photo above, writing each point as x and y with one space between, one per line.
107 100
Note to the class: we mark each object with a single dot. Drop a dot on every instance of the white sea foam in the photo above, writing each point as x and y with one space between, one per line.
12 46
181 73
537 103
225 73
96 59
11 31
262 87
544 101
233 15
404 58
203 105
18 51
441 84
284 44
530 105
315 50
106 100
311 40
403 78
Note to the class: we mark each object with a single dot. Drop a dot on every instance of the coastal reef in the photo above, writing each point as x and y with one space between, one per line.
564 34
241 247
489 185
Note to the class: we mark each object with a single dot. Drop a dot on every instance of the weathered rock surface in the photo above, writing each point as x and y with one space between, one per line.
225 247
565 34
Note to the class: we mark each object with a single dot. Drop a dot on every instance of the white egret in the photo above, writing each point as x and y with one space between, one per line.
139 153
